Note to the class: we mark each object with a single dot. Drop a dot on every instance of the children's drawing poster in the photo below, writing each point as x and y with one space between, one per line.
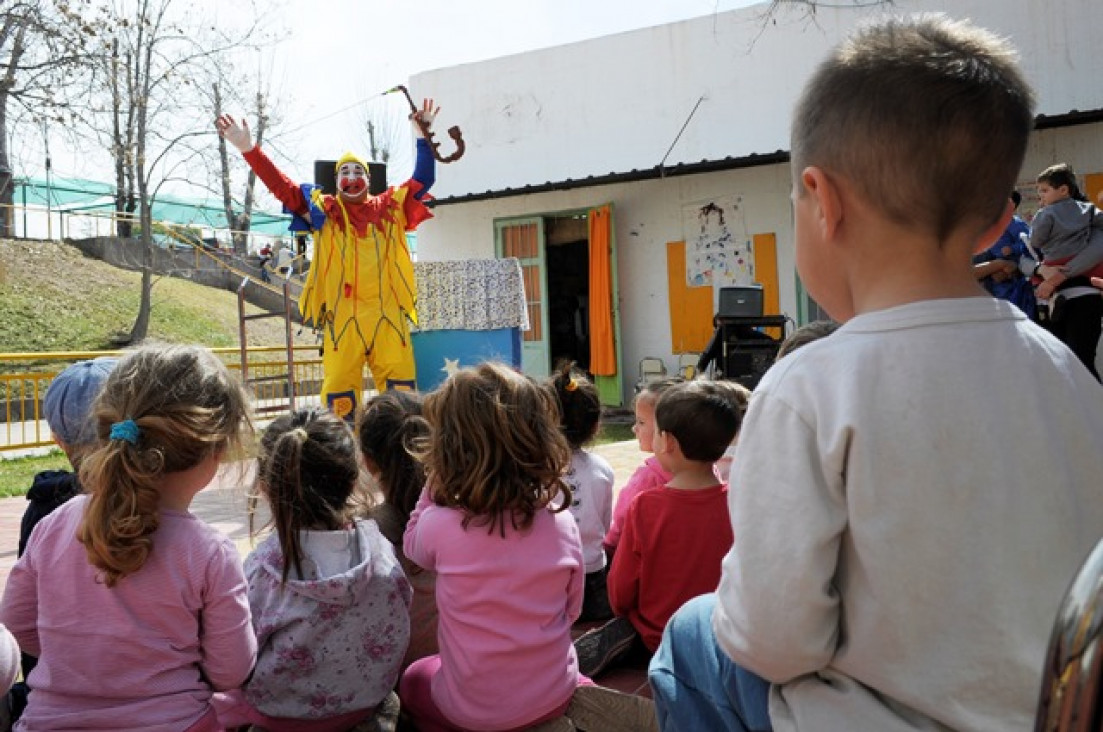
718 247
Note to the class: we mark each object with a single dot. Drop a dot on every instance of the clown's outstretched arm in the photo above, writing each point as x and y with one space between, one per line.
283 188
424 165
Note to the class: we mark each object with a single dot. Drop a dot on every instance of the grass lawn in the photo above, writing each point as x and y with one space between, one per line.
614 432
16 473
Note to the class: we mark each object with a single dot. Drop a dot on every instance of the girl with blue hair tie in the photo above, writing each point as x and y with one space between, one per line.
137 609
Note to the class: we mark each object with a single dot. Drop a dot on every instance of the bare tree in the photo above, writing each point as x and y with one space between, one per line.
387 134
153 57
39 46
239 222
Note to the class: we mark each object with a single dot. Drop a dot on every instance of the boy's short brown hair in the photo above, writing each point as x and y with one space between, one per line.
804 335
927 117
1059 175
702 416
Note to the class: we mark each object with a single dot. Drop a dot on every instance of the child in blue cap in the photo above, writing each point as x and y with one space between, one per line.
67 406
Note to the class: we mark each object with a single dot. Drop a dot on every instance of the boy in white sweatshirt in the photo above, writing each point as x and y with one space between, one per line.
883 576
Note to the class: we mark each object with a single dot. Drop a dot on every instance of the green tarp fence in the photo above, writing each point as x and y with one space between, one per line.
74 195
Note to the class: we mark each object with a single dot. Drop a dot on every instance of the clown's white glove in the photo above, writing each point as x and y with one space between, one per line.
426 114
234 133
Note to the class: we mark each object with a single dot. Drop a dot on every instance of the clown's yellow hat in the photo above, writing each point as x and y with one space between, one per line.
349 157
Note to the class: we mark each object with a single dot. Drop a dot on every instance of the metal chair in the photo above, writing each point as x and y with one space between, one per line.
651 369
1072 680
687 365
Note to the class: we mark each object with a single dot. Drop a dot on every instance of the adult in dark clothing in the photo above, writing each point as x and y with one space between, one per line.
715 347
49 489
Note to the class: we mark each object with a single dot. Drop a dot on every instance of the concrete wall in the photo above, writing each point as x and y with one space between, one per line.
646 216
617 103
186 263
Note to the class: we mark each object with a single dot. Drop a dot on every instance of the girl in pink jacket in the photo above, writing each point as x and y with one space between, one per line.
492 523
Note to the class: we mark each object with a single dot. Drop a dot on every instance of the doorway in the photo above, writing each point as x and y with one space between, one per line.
567 263
568 273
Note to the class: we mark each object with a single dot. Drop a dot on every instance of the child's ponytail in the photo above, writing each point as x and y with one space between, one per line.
164 409
308 468
122 511
579 405
392 432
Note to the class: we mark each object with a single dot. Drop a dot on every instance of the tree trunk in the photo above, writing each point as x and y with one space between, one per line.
224 166
121 145
140 172
7 180
239 223
140 329
245 220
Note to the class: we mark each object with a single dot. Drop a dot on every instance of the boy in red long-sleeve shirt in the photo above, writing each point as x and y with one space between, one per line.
675 537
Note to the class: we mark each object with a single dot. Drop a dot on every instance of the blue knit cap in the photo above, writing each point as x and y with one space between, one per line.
69 398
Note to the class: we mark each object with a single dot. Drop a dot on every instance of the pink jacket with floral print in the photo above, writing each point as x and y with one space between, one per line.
330 642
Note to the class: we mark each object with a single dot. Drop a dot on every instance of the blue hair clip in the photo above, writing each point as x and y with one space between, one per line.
126 430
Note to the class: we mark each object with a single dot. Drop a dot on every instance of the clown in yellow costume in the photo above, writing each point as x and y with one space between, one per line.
360 291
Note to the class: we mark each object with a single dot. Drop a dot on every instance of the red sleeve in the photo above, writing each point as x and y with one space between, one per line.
624 576
414 210
283 188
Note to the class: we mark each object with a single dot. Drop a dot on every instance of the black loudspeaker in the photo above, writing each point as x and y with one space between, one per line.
741 302
325 175
747 361
746 352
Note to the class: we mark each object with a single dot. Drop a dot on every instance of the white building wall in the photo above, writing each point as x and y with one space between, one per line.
615 104
1080 146
646 215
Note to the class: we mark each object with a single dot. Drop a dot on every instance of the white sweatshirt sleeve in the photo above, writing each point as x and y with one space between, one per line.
778 610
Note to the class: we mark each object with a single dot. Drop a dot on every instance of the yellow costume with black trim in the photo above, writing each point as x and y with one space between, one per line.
360 290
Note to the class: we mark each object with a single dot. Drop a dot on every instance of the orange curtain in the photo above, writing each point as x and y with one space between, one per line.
603 354
690 307
1093 188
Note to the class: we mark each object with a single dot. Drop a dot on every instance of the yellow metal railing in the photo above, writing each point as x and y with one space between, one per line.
24 378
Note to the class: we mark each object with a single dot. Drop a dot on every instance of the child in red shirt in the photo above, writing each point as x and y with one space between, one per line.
674 536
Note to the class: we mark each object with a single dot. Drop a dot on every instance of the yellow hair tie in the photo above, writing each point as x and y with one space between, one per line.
301 434
571 385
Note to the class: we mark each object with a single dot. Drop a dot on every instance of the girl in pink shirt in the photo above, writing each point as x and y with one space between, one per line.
648 476
137 609
492 523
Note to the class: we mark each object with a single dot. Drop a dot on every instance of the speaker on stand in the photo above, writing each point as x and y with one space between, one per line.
325 175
